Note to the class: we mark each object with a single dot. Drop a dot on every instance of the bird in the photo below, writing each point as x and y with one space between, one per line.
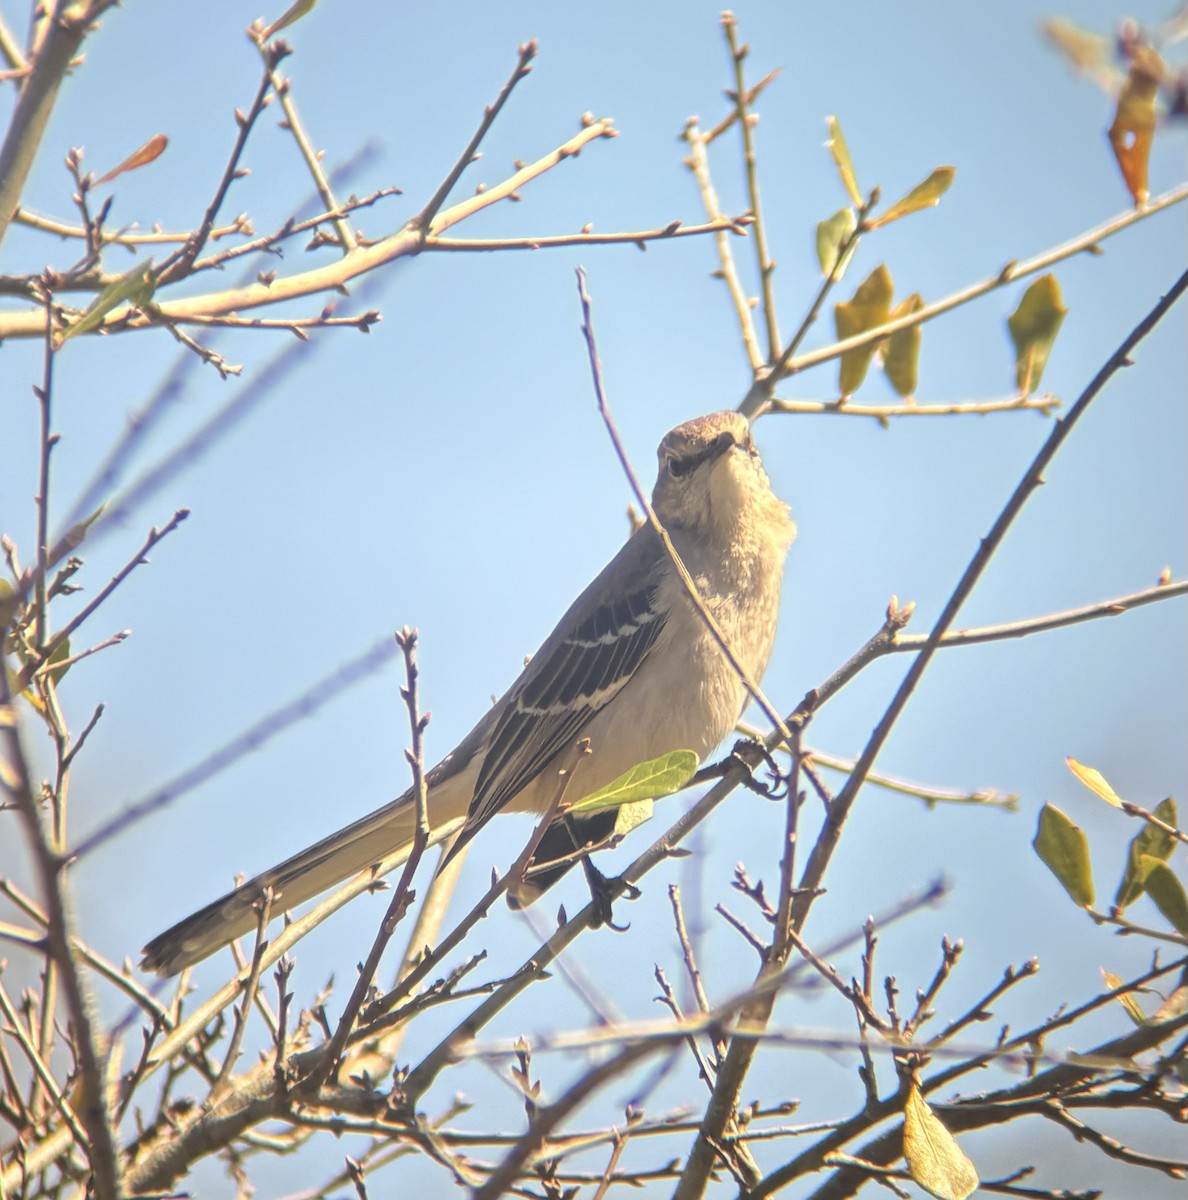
631 666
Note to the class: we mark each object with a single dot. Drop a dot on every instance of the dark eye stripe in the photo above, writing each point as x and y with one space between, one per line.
684 466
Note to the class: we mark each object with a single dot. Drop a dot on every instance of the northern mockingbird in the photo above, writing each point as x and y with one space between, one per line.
631 666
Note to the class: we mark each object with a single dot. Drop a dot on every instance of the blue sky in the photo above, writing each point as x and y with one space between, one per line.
450 472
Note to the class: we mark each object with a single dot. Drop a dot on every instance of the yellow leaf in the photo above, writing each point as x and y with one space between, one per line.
1127 1000
869 308
901 351
1033 327
134 288
934 1159
926 194
832 235
845 166
1094 781
1064 850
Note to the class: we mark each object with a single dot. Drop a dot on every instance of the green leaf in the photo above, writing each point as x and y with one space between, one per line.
901 351
934 1159
1134 878
1149 846
76 534
1064 850
832 234
1094 780
926 194
1127 1000
648 781
869 308
135 288
845 166
1167 891
60 653
1033 327
290 16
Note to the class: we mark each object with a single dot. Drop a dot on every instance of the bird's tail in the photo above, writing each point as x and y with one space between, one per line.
380 836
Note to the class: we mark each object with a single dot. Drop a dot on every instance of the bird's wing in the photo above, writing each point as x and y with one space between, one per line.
591 656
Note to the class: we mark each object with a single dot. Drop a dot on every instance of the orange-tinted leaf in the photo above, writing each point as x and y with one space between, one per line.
926 194
845 165
934 1159
1127 999
1135 119
869 308
1094 781
1064 850
901 351
1033 328
152 149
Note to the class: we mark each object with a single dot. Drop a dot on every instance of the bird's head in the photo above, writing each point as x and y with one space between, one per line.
710 477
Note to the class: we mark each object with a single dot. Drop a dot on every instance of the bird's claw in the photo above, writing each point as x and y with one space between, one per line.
777 789
602 897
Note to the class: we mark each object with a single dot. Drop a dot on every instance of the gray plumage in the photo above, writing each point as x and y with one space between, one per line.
631 666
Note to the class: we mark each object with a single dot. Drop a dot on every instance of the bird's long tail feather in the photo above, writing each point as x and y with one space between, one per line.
379 836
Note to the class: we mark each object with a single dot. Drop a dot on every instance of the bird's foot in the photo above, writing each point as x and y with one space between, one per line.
602 896
776 788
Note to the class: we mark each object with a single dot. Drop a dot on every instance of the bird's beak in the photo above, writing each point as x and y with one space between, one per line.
720 445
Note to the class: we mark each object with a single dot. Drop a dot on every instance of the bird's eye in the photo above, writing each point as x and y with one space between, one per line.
679 466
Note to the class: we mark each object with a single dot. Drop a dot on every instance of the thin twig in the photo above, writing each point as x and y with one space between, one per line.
845 406
724 225
591 131
403 895
698 163
1073 616
682 571
138 559
47 867
667 997
1111 1147
1137 810
424 220
250 987
826 842
282 89
751 172
178 264
305 705
759 395
1009 273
